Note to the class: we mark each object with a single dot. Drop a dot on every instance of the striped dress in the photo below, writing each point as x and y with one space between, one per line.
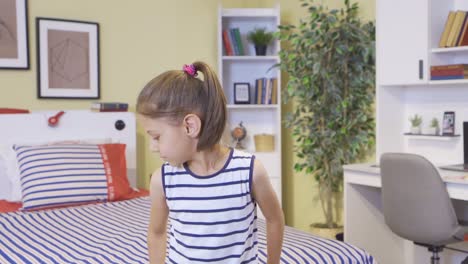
212 219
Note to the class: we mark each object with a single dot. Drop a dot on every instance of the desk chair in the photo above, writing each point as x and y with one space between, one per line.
416 204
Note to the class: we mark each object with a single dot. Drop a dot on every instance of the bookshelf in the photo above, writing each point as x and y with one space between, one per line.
401 95
407 46
246 68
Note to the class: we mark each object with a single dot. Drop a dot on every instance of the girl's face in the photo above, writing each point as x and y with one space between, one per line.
169 139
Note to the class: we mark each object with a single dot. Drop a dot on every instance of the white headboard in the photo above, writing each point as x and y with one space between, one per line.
73 125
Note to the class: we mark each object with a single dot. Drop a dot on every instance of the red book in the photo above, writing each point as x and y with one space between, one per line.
450 66
227 43
441 72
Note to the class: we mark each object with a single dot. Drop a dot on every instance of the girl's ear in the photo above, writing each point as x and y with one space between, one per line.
192 125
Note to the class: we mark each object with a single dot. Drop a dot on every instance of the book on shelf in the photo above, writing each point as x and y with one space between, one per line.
449 72
227 43
232 42
109 107
455 31
448 26
448 77
456 28
266 91
239 41
450 66
462 32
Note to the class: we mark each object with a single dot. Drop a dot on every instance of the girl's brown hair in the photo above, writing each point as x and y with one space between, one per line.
176 93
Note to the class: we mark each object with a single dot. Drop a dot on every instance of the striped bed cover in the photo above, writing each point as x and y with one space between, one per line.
115 232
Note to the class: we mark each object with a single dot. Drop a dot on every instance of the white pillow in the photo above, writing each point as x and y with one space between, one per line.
12 192
5 185
9 175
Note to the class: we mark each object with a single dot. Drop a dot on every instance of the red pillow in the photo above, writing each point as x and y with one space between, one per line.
113 156
13 111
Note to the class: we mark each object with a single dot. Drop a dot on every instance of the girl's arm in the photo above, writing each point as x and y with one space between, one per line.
158 221
266 198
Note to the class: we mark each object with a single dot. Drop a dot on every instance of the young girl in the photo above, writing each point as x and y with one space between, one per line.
208 192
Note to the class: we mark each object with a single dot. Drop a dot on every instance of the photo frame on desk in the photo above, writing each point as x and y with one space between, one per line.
67 58
242 93
14 47
448 123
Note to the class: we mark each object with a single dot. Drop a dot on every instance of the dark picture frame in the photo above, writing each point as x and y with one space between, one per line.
14 35
67 59
448 123
241 93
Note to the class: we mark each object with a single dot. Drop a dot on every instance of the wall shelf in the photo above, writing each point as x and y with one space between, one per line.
431 137
251 58
252 106
452 50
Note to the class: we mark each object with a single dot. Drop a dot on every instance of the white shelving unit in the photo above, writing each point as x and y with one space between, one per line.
400 96
407 46
256 118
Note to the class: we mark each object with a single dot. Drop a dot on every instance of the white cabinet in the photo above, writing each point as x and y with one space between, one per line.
246 68
400 96
402 41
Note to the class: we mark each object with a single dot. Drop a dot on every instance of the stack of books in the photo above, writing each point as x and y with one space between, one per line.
266 91
455 30
109 107
232 42
449 72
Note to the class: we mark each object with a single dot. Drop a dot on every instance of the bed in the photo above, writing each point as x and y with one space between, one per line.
108 231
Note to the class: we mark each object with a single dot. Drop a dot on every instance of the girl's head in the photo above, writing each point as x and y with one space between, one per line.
175 96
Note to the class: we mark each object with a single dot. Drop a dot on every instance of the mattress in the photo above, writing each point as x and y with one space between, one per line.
116 233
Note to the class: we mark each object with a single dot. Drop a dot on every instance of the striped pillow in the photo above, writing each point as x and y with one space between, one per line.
63 175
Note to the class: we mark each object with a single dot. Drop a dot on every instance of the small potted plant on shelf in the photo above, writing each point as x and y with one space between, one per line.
416 122
434 128
260 37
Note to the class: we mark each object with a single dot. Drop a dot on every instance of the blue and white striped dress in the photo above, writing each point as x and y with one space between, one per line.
212 219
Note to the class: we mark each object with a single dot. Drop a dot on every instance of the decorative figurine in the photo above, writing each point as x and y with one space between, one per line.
238 134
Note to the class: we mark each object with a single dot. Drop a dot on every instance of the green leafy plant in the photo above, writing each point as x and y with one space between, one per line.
260 36
435 123
329 58
415 120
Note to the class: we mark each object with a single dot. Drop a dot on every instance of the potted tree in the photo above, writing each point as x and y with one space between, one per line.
260 37
329 58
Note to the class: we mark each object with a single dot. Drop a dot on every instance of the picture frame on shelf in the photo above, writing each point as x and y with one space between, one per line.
448 123
14 47
241 93
68 59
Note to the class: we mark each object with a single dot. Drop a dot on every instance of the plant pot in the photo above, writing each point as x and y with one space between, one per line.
260 50
416 130
325 232
433 131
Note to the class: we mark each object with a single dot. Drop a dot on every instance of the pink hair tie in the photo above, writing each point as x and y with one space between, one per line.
190 70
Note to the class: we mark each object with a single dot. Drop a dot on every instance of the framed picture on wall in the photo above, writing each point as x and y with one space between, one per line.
67 58
448 123
14 51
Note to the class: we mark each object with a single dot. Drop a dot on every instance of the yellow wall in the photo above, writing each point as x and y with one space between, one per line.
140 39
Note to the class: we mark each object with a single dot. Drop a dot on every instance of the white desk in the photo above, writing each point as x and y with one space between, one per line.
364 224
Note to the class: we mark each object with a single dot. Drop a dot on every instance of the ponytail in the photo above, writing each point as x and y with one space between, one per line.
214 112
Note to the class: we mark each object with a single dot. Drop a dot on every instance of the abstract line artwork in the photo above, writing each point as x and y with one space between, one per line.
68 53
69 59
14 53
8 48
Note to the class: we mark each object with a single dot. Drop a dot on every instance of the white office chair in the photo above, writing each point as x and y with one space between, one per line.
416 204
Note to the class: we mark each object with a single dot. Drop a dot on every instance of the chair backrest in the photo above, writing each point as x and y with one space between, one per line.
416 204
